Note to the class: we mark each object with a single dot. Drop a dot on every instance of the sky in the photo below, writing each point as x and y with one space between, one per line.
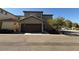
68 13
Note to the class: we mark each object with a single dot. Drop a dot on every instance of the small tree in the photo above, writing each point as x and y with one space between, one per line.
75 25
60 22
57 23
68 23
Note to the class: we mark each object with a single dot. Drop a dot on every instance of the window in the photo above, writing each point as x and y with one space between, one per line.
1 11
5 13
18 17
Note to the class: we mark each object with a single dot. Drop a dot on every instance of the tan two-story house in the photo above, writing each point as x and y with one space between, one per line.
32 21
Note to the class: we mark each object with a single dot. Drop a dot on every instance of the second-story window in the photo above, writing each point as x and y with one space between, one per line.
1 11
5 13
18 17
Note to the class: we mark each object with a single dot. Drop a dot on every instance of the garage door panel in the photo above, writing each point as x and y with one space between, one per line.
31 28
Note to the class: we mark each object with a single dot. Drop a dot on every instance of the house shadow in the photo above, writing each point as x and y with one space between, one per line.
3 31
6 31
53 31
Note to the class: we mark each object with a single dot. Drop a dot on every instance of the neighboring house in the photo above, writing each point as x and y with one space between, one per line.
32 21
10 24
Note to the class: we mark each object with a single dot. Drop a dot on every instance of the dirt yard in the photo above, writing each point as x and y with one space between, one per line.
38 42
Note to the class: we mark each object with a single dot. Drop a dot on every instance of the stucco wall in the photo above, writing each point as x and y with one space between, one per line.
21 17
47 17
10 25
39 15
31 20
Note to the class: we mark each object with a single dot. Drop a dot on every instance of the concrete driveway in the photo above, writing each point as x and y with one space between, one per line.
38 42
